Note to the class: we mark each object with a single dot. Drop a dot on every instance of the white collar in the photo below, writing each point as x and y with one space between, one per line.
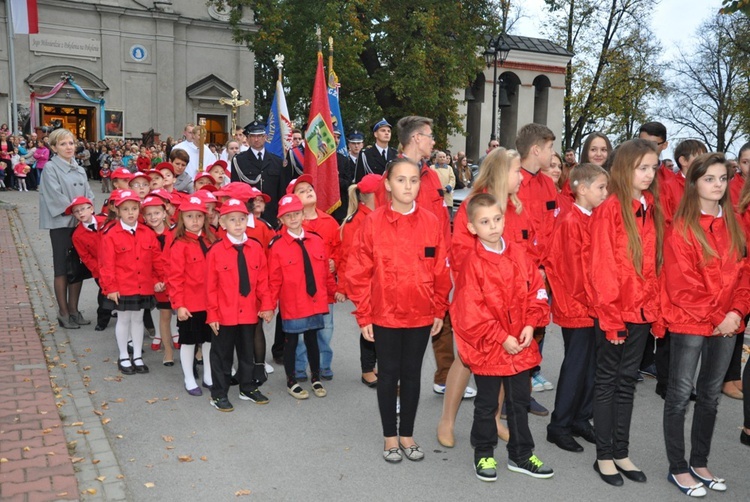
128 227
721 213
502 247
413 208
93 222
236 241
251 220
256 152
643 202
300 236
583 209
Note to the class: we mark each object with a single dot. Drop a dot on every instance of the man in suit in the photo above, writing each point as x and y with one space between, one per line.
261 169
374 158
347 164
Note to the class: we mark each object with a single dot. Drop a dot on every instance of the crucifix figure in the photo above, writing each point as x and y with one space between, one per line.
235 104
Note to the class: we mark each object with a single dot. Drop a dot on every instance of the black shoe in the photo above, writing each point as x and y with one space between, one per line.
372 384
745 438
610 479
636 476
100 327
255 396
531 467
222 404
565 442
125 370
661 391
142 368
537 409
587 434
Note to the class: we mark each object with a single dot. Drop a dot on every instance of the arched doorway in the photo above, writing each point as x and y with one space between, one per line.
541 99
507 103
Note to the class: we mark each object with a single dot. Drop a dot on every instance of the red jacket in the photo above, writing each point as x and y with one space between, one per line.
496 296
87 243
225 304
517 229
129 264
735 188
664 174
398 274
697 294
349 233
567 266
670 194
538 195
327 228
620 294
188 273
165 243
260 230
286 274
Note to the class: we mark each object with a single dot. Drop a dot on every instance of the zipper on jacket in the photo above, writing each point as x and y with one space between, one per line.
643 315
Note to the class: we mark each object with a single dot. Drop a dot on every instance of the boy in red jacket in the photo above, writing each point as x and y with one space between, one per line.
87 240
499 300
567 265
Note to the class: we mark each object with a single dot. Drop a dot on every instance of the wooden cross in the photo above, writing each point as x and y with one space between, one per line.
235 104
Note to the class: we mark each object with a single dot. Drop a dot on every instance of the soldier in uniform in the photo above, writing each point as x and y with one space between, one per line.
261 169
346 165
295 157
373 159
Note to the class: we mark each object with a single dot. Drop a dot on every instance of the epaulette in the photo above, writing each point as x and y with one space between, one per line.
107 228
271 243
173 226
313 233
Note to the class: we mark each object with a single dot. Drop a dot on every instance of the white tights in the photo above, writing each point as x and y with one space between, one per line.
129 325
187 356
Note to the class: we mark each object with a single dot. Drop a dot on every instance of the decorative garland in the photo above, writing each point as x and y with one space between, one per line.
67 79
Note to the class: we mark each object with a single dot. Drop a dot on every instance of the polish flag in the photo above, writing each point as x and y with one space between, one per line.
25 17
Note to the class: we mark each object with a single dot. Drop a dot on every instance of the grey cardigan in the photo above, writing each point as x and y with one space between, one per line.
61 183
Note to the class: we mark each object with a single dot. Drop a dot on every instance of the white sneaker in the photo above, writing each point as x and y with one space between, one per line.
536 384
269 368
438 389
546 383
469 393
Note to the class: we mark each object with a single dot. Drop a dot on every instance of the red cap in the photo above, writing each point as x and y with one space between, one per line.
77 202
209 188
152 201
114 195
165 165
154 172
305 178
237 190
162 194
370 183
193 203
257 193
126 195
218 163
140 174
121 173
202 175
233 206
289 204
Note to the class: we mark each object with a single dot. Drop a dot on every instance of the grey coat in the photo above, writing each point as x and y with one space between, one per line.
61 183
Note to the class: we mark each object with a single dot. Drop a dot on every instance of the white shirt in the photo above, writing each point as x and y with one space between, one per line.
300 236
192 150
502 247
721 213
413 208
256 152
235 241
583 209
127 227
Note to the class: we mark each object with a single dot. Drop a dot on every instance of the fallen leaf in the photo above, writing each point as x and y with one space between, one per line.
82 431
105 421
120 476
204 458
101 478
76 424
51 453
26 448
119 400
62 494
148 485
185 458
168 439
46 431
3 460
76 460
95 461
119 436
152 401
240 493
91 491
170 447
92 392
98 413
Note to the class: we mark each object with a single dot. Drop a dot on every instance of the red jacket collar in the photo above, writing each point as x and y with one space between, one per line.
392 215
489 256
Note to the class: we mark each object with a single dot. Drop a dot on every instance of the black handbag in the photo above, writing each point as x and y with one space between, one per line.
74 267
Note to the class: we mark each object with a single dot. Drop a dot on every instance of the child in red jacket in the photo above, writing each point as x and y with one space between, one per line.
325 226
399 280
131 271
87 241
567 265
499 300
300 281
237 289
187 288
626 237
705 296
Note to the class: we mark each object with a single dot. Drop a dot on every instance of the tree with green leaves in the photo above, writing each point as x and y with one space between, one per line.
392 58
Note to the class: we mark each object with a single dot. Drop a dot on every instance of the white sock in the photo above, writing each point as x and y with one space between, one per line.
207 364
187 356
136 331
122 333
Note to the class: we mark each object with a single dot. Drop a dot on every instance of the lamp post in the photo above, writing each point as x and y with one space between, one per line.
497 50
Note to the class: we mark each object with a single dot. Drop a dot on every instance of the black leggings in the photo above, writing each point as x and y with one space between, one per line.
400 354
290 354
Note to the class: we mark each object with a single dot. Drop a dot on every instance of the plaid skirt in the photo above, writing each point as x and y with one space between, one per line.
131 303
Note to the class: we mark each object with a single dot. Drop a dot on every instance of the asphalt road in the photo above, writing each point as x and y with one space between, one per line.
331 448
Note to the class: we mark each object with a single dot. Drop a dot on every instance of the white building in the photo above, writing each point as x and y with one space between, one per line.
155 64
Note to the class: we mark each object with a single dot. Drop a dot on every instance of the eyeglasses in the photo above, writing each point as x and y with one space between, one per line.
431 136
82 210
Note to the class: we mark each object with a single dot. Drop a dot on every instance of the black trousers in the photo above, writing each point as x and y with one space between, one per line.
277 349
367 355
734 372
661 359
574 401
240 338
649 352
400 354
103 314
484 428
290 354
746 394
148 321
614 387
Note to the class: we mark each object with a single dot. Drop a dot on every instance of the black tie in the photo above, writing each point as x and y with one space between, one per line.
260 156
203 246
385 156
309 276
162 240
132 231
242 266
92 227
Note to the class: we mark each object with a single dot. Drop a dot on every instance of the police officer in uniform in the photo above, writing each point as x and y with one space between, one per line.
373 159
261 169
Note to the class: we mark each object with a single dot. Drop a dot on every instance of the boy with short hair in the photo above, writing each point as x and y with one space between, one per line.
656 132
567 265
671 191
498 301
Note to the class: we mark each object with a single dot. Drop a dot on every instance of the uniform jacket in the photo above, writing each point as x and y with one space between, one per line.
165 240
269 176
129 264
257 229
670 194
696 293
286 274
371 161
538 195
188 273
568 265
225 304
348 237
346 168
397 272
496 296
620 294
735 188
87 243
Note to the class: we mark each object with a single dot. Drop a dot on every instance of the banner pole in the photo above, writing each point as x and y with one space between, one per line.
12 64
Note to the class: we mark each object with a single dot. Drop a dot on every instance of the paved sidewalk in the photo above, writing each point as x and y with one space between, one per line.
34 459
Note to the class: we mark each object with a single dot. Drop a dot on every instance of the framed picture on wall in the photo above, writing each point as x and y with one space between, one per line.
113 127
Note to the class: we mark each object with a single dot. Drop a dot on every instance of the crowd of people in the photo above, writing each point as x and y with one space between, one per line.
642 267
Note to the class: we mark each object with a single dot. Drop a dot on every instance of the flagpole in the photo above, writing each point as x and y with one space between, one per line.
12 64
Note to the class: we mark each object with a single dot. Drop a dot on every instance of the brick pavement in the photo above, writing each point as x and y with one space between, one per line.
34 460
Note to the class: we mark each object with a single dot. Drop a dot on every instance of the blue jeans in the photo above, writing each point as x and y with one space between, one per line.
714 352
324 346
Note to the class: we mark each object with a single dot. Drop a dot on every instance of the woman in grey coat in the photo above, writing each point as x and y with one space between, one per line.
62 181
